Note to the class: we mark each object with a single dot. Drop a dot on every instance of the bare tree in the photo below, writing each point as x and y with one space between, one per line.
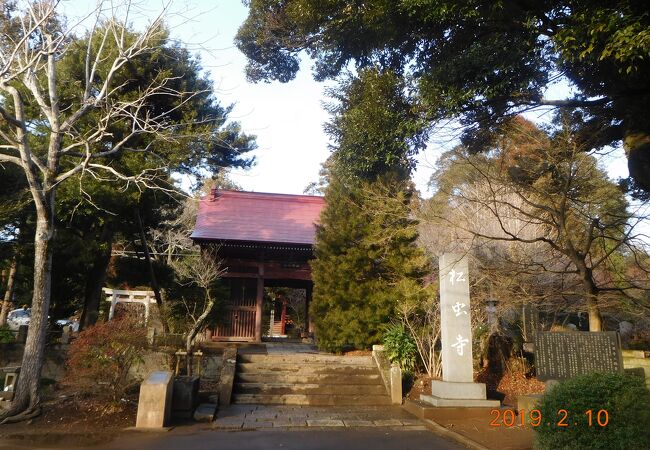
422 320
200 270
50 148
539 206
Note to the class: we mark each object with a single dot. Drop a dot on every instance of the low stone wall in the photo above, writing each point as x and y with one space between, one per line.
391 374
55 357
638 359
53 366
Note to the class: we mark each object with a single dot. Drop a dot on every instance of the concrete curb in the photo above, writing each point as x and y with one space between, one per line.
452 435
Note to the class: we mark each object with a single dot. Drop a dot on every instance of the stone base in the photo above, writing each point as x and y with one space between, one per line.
459 402
456 390
185 396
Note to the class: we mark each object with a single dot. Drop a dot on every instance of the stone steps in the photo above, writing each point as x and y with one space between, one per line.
308 379
310 388
306 369
283 377
306 358
312 400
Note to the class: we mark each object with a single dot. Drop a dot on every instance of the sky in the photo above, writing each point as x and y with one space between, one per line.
286 118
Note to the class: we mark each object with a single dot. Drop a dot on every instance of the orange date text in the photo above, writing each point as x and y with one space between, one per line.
510 418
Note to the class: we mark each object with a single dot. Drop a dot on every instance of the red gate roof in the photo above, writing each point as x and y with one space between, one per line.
258 217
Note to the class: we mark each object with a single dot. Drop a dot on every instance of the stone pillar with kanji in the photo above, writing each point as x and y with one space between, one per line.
457 387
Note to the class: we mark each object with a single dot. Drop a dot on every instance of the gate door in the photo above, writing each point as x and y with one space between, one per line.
239 321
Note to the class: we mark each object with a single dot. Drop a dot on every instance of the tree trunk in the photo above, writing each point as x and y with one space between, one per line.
95 279
194 331
6 304
27 398
637 148
591 294
595 318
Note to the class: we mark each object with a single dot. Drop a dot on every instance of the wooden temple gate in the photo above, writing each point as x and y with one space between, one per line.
264 240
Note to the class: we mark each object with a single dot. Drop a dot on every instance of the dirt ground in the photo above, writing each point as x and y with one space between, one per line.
67 420
476 425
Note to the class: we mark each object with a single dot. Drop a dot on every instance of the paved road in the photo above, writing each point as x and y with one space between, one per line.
301 439
244 427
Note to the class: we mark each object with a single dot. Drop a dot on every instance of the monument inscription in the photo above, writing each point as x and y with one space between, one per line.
456 332
563 355
457 387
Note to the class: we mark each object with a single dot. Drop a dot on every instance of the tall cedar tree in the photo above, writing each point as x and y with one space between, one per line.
366 257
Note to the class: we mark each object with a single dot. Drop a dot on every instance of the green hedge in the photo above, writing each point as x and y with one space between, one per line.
624 397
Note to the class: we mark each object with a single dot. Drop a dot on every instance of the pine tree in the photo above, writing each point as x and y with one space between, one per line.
366 256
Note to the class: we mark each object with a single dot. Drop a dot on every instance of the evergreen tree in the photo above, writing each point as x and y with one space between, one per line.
366 257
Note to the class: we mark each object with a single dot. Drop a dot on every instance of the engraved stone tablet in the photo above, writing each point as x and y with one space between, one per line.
455 323
456 389
563 355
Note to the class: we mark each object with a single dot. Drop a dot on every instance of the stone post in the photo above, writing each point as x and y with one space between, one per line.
65 335
455 321
395 384
457 387
155 402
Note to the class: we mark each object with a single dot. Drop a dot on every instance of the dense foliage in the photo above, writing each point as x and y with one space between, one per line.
92 213
625 399
100 358
366 261
366 257
478 61
400 347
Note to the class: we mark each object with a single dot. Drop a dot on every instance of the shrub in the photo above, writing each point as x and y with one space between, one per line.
100 358
624 397
400 347
6 335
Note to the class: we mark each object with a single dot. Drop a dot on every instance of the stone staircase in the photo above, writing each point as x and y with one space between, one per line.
308 379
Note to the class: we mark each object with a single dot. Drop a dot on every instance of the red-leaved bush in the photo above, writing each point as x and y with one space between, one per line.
100 358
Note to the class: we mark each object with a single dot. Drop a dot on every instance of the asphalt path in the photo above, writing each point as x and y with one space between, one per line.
325 439
377 438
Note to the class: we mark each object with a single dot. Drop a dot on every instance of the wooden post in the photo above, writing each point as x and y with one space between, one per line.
308 323
283 318
258 305
111 312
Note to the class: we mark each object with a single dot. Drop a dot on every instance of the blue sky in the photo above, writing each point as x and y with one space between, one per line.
286 118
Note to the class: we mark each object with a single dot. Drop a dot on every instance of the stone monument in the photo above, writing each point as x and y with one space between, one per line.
457 387
154 405
563 355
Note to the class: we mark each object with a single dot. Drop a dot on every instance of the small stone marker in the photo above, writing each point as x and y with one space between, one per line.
457 387
563 355
395 385
155 403
11 379
227 379
65 335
